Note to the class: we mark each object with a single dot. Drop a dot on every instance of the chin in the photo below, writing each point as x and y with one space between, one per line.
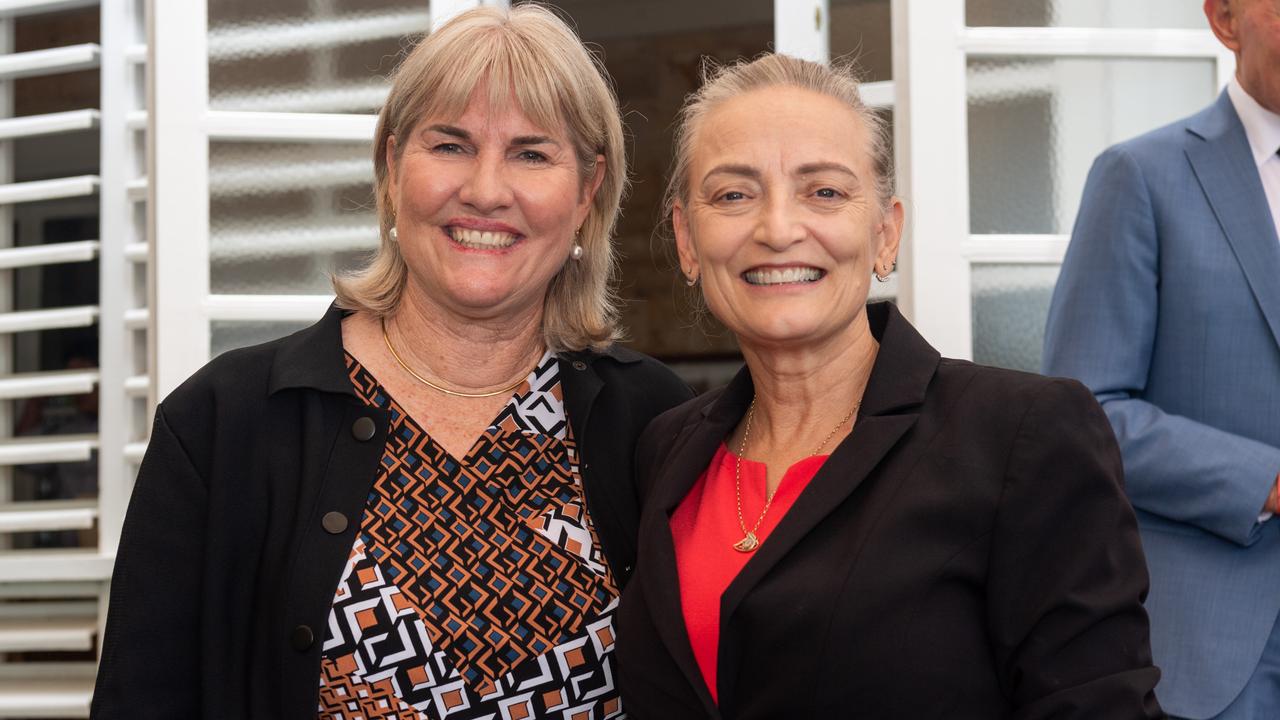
482 296
783 332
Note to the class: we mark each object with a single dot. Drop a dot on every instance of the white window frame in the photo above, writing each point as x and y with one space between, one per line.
930 53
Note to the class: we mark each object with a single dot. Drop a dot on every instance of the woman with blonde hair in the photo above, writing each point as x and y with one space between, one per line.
856 527
422 506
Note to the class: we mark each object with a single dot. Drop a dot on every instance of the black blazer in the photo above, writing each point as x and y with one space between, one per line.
967 552
247 504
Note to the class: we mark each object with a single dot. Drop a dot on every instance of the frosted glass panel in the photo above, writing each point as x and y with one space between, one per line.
231 335
307 55
285 215
1086 13
1035 126
1010 304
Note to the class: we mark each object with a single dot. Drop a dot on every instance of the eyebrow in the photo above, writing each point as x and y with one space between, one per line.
729 169
817 167
807 169
450 130
455 131
533 140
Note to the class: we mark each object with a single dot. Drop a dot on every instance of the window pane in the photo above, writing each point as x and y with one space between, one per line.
1035 126
861 29
231 335
307 55
1010 304
282 216
1086 13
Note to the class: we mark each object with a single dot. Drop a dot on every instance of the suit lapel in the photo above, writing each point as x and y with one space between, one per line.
1223 163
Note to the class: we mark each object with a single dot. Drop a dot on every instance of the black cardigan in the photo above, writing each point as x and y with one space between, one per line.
246 507
967 552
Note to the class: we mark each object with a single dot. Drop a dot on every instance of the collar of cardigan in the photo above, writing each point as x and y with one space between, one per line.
313 357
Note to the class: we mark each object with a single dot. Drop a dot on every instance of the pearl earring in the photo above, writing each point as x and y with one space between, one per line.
393 234
577 252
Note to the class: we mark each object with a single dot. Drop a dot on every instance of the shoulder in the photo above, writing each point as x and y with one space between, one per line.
1152 150
669 424
1023 422
634 375
1013 394
234 383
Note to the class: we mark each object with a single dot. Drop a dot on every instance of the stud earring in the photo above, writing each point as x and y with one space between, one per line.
577 252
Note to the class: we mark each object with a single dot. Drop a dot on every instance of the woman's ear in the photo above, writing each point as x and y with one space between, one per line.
889 235
390 158
590 189
684 243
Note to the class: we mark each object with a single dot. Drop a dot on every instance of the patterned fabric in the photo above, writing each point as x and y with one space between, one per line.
476 588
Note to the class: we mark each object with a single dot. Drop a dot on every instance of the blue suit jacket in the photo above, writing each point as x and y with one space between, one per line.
1168 309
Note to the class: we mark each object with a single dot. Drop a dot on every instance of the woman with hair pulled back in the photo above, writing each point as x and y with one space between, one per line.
423 505
856 527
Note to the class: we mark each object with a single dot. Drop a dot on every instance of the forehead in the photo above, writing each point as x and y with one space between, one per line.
785 125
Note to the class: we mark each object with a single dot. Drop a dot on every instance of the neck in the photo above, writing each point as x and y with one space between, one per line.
467 354
800 392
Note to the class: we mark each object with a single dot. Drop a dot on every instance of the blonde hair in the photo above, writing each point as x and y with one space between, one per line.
721 83
529 55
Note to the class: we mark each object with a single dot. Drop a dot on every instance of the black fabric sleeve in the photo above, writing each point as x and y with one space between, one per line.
1067 575
150 666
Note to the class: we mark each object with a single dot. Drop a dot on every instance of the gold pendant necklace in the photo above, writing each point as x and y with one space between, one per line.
749 541
403 366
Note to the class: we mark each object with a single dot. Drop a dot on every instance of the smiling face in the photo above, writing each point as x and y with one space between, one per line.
782 224
486 207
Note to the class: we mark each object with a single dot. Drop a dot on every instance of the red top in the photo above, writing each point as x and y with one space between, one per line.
705 527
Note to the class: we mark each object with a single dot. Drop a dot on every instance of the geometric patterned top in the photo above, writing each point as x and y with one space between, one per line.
476 586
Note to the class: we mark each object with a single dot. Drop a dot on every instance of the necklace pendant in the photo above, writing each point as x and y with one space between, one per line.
748 543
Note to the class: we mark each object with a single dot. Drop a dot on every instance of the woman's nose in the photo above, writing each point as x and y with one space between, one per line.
487 188
779 228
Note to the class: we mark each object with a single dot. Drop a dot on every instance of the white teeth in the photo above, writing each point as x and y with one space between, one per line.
482 239
781 276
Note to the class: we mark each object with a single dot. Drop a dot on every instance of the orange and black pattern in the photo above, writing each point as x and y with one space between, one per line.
476 588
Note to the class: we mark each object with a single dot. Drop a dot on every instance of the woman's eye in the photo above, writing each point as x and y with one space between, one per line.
447 148
732 196
828 193
532 156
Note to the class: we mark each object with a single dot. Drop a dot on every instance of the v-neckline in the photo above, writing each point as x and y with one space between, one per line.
478 443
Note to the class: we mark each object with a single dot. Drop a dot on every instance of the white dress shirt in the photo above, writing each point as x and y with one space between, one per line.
1262 128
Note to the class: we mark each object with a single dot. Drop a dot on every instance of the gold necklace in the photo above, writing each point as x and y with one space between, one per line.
749 541
387 339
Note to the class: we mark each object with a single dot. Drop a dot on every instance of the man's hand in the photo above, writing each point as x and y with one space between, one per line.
1273 500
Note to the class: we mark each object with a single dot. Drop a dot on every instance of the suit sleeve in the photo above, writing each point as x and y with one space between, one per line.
1102 329
1067 577
150 666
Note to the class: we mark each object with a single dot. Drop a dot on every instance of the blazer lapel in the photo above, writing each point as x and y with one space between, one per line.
1223 163
692 452
904 366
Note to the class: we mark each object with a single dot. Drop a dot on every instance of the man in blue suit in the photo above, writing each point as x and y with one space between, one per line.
1168 308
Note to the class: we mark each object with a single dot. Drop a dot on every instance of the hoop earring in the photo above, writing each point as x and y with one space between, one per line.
882 278
691 280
